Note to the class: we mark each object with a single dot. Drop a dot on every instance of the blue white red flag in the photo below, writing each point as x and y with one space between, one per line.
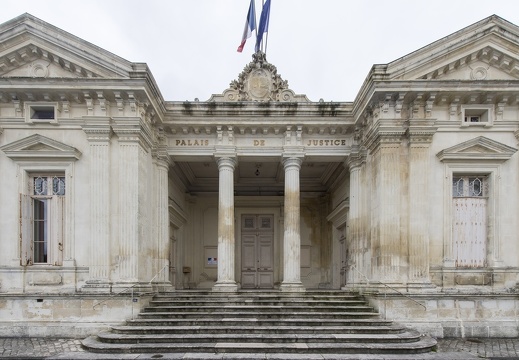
263 24
250 25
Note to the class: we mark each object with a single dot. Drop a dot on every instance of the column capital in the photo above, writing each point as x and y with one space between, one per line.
133 130
226 162
355 160
98 133
421 132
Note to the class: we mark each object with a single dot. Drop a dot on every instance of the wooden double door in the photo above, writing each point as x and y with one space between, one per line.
257 251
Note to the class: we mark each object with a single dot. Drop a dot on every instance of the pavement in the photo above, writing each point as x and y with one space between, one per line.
448 349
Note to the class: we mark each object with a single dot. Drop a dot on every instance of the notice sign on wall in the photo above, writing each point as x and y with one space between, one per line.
212 261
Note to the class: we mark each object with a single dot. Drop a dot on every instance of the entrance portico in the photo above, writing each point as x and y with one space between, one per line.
238 154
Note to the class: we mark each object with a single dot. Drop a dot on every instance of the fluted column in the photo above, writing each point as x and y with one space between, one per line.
162 220
354 164
292 232
226 280
99 195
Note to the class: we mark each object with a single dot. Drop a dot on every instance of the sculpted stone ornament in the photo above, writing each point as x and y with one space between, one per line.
259 81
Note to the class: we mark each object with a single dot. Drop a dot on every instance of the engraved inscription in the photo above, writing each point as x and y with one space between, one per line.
192 142
328 142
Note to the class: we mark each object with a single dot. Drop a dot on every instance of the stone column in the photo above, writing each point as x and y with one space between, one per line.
162 220
226 280
292 222
100 215
354 164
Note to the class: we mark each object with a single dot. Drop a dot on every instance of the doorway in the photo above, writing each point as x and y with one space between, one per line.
257 251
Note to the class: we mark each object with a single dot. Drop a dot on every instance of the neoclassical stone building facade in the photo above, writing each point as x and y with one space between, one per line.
408 193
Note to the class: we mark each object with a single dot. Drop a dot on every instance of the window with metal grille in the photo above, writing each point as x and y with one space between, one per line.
42 220
469 230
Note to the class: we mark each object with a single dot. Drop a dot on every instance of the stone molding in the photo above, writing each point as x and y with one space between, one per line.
478 149
42 148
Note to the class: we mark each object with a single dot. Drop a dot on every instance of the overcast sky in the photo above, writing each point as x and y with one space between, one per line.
323 48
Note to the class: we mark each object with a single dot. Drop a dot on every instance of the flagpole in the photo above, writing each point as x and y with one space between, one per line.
267 37
262 44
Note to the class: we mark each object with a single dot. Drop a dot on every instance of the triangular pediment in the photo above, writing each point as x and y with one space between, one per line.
480 149
39 147
486 50
259 81
34 48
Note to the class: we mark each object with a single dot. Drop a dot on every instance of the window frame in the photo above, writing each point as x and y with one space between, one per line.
33 107
53 219
484 112
492 174
60 250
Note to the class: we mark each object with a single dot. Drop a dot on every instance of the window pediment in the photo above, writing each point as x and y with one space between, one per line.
41 148
478 149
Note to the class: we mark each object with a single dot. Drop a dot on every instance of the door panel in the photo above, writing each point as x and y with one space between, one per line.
257 251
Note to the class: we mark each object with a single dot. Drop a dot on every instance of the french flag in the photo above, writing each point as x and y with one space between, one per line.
263 24
250 26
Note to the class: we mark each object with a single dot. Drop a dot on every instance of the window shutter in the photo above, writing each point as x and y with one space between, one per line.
26 227
469 231
57 231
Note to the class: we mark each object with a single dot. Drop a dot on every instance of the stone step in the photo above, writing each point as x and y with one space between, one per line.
110 337
238 329
281 302
424 344
258 322
217 315
257 308
256 296
203 322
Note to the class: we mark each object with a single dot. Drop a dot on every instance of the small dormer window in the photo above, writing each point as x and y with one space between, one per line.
474 115
41 113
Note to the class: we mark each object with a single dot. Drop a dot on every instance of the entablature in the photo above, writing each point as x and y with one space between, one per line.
98 97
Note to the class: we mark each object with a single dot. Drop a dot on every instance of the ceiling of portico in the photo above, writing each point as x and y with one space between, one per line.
258 177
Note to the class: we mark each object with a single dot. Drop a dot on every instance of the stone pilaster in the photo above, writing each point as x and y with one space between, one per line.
226 242
292 224
133 211
389 253
420 135
99 195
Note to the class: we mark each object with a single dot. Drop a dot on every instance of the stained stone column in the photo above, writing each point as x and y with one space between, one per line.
226 280
99 195
292 232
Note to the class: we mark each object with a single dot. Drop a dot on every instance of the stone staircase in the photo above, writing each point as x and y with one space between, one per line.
314 322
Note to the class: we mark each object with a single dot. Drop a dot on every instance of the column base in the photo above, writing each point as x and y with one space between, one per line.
292 287
225 287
